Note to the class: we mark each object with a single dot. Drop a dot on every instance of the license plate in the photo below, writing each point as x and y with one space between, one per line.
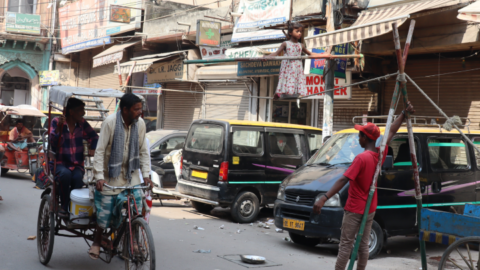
199 174
294 224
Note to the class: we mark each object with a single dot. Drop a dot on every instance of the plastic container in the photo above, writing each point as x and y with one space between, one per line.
80 206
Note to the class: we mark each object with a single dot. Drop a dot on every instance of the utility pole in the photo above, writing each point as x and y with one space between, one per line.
329 76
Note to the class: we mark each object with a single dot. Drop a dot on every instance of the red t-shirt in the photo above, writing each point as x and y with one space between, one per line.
360 175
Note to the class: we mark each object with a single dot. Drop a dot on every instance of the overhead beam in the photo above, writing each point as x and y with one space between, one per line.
14 44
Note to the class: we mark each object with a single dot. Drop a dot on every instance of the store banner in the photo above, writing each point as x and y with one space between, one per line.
166 72
23 23
316 84
48 77
88 23
316 66
259 13
256 68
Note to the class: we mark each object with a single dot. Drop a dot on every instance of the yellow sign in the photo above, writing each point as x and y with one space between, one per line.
236 160
166 71
48 77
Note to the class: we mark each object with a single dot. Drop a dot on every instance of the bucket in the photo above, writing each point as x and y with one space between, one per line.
80 206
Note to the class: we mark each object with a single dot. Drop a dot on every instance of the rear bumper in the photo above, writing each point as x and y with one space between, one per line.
326 225
197 192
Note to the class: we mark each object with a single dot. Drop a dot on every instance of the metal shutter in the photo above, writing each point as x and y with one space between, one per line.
84 69
227 107
344 110
455 94
181 108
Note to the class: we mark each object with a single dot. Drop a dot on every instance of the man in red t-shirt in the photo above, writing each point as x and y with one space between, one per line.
360 175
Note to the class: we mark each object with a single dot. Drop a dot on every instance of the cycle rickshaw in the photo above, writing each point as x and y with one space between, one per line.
133 240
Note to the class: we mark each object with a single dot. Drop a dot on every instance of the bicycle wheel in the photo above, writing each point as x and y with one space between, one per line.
143 256
460 255
45 230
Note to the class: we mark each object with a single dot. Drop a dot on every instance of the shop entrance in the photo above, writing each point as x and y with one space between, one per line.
15 90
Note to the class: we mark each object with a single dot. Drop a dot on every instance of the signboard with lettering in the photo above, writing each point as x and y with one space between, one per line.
316 84
87 23
107 59
315 66
147 92
257 14
48 77
165 71
208 33
23 23
120 14
259 68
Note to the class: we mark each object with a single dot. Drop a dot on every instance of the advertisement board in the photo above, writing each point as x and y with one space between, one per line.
208 33
23 23
259 68
165 71
316 84
120 14
48 77
86 23
258 13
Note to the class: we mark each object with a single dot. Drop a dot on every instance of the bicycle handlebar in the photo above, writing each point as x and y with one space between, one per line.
135 187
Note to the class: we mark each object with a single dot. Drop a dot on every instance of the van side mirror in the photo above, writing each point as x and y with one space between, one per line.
388 164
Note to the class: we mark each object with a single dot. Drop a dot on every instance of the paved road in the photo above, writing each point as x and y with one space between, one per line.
175 239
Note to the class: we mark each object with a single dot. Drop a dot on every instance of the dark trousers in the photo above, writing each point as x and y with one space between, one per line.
69 180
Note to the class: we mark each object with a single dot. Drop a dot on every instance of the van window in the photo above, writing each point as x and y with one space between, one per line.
339 149
448 154
399 148
314 142
247 142
171 144
284 144
205 138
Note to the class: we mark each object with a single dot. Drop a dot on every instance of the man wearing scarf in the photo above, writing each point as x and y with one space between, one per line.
121 151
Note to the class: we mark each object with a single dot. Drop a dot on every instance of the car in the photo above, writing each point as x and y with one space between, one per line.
449 170
240 164
162 142
150 123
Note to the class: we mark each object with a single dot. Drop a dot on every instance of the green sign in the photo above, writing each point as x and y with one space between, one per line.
23 23
208 33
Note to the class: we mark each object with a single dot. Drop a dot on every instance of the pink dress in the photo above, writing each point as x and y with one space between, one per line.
291 78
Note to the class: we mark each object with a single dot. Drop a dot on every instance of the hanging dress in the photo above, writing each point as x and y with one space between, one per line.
292 78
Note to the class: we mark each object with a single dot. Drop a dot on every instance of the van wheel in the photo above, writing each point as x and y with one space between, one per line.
245 208
376 241
202 207
303 240
4 171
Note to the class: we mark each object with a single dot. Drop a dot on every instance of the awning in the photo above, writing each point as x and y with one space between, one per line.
218 72
112 54
23 110
60 94
142 63
470 12
376 22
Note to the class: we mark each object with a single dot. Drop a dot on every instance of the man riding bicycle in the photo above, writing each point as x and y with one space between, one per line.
121 152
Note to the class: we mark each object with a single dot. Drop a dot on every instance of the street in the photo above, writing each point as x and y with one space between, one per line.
176 239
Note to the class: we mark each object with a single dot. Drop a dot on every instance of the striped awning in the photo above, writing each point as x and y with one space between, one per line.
375 22
112 54
470 12
140 65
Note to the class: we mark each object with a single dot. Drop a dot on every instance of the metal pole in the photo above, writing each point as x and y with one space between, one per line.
329 74
276 58
119 74
129 89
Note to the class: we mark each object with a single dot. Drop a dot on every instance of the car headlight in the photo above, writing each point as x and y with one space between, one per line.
281 193
334 201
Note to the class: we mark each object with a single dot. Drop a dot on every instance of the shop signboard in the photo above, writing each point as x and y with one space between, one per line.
165 71
48 77
316 84
23 23
217 53
150 85
120 14
208 33
315 66
87 23
259 68
109 58
148 92
256 14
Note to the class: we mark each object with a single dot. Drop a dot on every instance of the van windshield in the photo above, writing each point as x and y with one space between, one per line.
340 149
205 138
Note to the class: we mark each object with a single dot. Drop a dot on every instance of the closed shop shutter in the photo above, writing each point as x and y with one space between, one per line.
181 108
227 107
455 94
84 68
362 101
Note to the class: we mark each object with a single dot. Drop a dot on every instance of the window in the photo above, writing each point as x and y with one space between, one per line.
399 148
205 138
285 144
314 142
247 142
21 6
448 154
172 144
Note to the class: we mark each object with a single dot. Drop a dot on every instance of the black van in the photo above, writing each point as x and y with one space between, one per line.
449 175
240 164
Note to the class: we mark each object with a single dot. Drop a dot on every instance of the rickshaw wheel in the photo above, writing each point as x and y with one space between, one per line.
45 230
462 254
144 257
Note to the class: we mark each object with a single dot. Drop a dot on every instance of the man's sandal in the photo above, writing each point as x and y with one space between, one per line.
94 251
